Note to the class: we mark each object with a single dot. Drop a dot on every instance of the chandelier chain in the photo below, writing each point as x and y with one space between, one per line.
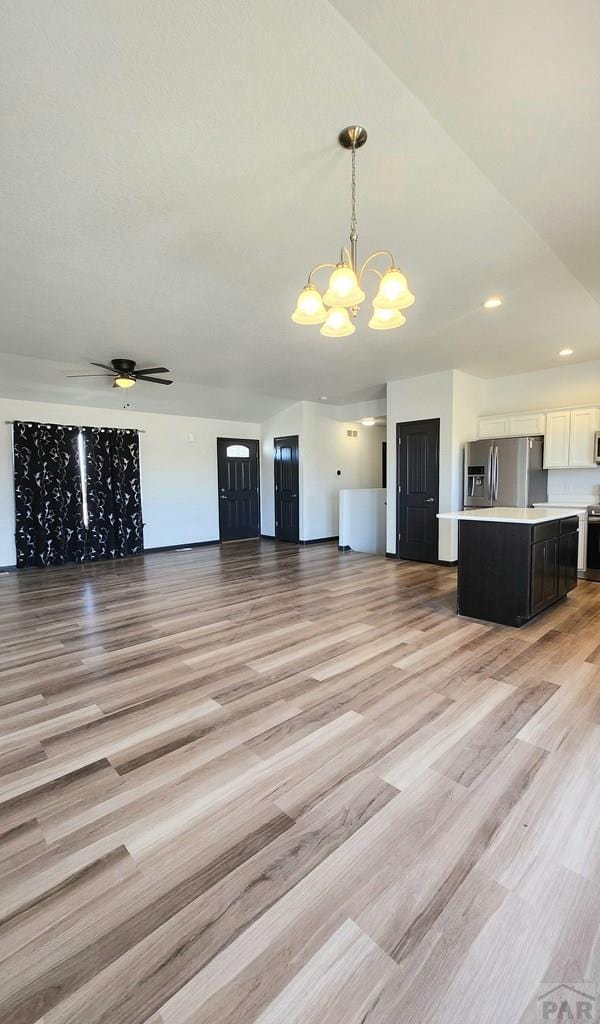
353 217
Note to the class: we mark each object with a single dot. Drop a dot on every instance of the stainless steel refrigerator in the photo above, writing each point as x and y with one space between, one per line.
507 471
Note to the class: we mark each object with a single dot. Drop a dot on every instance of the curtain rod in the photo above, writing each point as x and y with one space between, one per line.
80 426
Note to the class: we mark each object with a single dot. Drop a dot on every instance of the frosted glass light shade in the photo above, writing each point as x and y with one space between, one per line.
394 292
343 289
309 308
338 324
123 382
386 319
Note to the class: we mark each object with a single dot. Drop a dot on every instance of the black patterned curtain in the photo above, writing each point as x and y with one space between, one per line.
49 526
112 464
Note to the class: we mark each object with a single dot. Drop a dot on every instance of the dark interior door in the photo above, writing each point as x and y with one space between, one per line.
287 505
239 503
418 456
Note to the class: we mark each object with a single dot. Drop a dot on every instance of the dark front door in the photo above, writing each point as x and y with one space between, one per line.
418 447
239 505
287 506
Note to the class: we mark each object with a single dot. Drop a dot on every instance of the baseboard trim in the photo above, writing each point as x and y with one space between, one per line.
180 547
317 540
320 540
98 561
440 561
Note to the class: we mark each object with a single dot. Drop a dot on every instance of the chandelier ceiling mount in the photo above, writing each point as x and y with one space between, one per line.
352 136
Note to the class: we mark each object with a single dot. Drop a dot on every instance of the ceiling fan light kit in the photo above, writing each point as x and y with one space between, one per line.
344 293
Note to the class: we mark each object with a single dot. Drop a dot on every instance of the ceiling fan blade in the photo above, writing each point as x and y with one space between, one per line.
103 366
153 380
151 369
89 375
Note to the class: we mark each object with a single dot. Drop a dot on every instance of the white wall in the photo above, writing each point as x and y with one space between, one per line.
455 399
178 465
359 410
467 405
325 448
284 424
575 485
363 519
421 398
564 385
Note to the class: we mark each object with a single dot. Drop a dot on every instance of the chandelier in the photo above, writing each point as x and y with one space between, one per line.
344 292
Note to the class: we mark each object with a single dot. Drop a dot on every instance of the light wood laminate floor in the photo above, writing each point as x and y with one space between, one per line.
279 784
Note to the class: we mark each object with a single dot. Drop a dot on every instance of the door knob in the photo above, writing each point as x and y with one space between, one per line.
429 500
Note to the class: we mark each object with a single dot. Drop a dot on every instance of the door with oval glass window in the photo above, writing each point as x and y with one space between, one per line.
239 501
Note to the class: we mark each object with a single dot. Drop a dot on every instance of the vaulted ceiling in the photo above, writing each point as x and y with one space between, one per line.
170 173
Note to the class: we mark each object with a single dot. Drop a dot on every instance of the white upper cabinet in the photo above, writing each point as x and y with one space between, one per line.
570 438
556 443
568 433
494 426
584 424
528 423
519 424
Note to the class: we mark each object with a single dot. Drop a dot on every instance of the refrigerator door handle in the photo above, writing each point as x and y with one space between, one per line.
490 474
496 460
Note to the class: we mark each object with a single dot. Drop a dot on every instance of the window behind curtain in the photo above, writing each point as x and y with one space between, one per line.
77 493
114 505
49 527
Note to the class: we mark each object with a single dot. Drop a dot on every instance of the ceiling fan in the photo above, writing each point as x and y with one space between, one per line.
124 373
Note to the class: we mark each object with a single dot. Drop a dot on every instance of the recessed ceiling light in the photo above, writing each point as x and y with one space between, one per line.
493 302
323 398
566 352
368 421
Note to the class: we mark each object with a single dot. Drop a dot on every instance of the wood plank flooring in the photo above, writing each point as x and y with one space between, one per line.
262 783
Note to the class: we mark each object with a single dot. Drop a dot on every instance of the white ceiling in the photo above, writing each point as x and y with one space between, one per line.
170 173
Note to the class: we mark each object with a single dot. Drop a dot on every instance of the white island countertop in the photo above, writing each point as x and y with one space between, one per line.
526 516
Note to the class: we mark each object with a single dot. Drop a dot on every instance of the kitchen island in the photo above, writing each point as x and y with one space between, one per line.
513 563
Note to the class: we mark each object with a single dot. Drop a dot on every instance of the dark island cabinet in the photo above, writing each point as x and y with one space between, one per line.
510 572
544 574
567 554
